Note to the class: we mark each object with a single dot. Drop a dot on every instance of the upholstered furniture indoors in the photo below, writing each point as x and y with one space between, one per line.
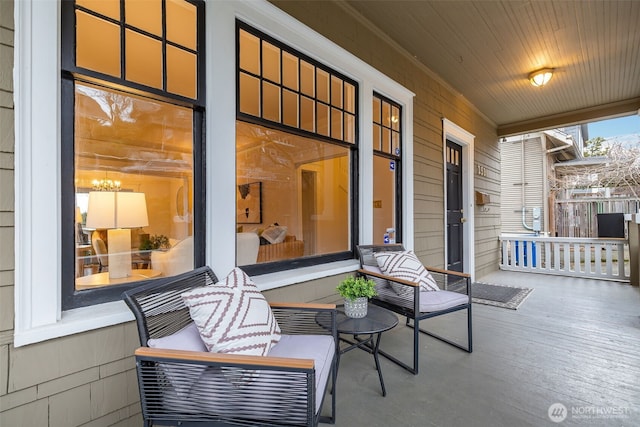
289 248
176 260
100 249
247 245
216 353
406 287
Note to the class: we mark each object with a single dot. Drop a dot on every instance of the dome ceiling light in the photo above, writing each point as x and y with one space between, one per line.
541 77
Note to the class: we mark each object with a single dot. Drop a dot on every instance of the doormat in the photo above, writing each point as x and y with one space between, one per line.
497 295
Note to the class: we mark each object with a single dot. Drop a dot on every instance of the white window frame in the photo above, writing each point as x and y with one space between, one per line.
38 258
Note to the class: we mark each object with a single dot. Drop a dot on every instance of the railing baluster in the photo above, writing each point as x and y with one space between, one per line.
598 259
620 260
609 263
565 256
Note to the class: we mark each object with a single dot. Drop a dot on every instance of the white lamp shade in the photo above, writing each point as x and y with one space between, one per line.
116 209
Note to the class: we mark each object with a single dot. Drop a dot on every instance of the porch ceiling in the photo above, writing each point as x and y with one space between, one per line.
484 50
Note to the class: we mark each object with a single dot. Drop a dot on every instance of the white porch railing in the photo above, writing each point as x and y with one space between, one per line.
602 258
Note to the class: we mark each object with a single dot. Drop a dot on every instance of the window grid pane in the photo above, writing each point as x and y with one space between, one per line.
387 135
310 97
98 47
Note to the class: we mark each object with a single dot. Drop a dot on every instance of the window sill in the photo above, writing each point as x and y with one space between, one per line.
113 313
299 275
77 320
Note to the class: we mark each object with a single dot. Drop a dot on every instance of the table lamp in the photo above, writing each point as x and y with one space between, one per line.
118 212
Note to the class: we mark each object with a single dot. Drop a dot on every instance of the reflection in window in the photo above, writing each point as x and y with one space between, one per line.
292 197
134 187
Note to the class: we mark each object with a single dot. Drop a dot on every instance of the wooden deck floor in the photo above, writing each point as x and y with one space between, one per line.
573 341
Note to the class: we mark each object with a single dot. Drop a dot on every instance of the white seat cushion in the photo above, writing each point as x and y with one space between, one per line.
217 391
187 338
440 300
320 348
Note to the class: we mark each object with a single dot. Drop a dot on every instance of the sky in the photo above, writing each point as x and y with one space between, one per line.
615 127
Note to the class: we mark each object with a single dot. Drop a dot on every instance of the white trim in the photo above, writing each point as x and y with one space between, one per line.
37 165
38 315
466 140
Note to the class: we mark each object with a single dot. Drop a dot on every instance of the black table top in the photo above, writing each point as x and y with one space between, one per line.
377 320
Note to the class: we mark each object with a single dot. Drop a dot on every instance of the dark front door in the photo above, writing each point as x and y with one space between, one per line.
455 220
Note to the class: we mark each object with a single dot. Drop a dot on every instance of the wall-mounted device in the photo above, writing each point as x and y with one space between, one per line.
535 213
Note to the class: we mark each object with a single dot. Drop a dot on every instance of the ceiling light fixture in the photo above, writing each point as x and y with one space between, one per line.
541 77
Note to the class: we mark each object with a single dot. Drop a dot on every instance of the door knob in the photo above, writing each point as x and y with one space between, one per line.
463 219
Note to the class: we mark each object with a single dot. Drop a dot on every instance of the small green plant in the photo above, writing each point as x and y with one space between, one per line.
356 287
157 241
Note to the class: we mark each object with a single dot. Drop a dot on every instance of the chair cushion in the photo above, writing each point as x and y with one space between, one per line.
320 348
232 316
189 339
405 265
441 300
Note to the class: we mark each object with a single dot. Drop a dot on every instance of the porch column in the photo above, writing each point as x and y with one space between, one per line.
633 227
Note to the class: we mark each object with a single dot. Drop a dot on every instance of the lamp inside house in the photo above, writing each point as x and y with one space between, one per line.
541 77
118 212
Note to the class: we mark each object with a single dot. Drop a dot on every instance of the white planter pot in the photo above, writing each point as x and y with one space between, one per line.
356 308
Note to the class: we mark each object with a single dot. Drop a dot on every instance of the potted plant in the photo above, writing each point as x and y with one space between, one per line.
356 292
155 242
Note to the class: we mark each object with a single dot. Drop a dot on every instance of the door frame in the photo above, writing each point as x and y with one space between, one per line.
466 140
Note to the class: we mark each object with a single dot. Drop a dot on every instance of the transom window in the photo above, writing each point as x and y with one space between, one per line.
152 42
280 85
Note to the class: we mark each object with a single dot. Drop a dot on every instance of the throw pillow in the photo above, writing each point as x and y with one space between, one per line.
232 316
275 234
405 265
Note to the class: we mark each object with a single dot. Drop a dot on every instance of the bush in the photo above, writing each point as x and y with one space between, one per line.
356 287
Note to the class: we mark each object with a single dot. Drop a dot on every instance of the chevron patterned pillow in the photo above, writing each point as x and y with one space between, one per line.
232 316
405 265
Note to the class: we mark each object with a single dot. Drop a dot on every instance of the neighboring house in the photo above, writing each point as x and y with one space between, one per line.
66 340
527 164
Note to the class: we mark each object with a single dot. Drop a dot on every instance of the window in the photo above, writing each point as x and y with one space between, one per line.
132 156
295 157
44 172
387 137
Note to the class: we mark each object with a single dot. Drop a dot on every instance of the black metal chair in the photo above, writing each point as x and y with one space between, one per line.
190 388
416 305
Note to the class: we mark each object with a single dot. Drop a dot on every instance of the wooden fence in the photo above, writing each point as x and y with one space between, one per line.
578 217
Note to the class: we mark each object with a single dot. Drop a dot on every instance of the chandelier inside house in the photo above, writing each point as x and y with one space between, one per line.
105 185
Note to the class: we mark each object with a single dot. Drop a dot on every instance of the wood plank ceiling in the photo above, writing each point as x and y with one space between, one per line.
484 50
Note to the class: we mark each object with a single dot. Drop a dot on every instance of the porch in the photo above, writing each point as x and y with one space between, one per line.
574 341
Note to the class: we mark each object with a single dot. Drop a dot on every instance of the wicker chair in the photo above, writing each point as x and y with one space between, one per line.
416 305
189 388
